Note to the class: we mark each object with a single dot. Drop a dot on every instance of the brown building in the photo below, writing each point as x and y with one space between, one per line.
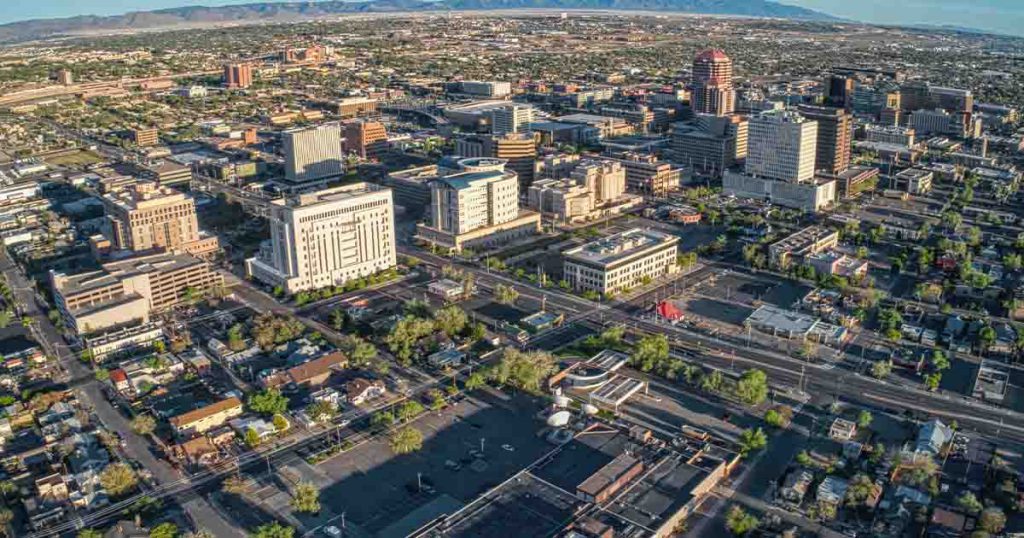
146 137
520 150
238 75
249 136
206 418
712 89
65 78
368 139
310 374
145 217
126 292
835 137
645 174
608 480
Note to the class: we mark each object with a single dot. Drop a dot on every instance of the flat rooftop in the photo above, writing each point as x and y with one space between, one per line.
348 192
620 246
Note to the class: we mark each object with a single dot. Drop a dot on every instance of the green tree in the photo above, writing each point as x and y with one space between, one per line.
236 338
881 369
280 423
436 398
864 419
268 402
89 533
752 440
321 411
408 410
164 530
992 520
143 424
713 381
475 381
252 438
102 374
932 381
505 294
752 388
650 352
523 370
939 361
969 503
273 530
306 498
406 440
451 320
118 479
860 491
739 522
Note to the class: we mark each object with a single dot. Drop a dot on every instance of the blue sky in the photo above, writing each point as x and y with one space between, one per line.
1005 16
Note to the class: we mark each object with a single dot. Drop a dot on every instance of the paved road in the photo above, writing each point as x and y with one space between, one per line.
91 395
997 423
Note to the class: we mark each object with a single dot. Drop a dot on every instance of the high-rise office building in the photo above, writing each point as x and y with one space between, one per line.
312 153
839 91
145 217
835 133
711 144
512 118
605 179
327 238
238 75
477 206
368 139
782 146
713 91
520 150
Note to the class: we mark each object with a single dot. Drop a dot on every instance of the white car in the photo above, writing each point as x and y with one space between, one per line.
332 531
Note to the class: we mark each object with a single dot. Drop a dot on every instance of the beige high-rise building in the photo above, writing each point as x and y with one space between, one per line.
327 238
146 217
782 146
238 75
605 179
312 153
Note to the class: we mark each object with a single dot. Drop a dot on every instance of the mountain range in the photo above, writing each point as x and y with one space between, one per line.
298 11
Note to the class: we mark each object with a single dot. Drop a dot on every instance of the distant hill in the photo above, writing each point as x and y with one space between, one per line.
298 11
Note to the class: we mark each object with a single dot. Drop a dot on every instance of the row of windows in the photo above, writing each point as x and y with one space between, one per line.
337 212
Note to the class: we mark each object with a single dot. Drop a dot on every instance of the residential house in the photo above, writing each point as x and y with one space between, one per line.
832 490
360 390
795 487
842 430
310 374
932 437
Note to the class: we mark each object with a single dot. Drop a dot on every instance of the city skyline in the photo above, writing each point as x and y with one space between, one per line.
997 16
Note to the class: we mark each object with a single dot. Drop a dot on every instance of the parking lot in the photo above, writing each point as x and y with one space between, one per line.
467 449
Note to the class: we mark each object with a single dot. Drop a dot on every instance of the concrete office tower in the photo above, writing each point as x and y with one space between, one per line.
327 238
145 217
711 144
713 92
511 119
312 153
238 75
367 139
476 199
606 180
519 150
835 134
477 207
782 146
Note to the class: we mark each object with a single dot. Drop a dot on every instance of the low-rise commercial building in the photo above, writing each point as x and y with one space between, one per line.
806 242
811 196
620 261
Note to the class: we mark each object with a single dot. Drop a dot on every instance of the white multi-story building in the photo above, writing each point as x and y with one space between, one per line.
621 261
327 238
782 146
512 118
890 134
312 153
479 205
